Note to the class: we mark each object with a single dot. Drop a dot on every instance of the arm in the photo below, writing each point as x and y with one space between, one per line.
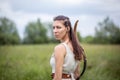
77 71
59 59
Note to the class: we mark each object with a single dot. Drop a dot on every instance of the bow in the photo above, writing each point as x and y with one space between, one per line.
84 57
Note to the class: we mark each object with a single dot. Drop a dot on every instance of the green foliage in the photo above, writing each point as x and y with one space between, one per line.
35 33
8 32
79 36
88 39
107 32
31 62
50 33
103 62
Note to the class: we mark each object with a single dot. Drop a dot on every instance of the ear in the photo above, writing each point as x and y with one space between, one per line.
68 29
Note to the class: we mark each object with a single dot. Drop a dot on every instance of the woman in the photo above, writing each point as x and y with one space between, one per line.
66 57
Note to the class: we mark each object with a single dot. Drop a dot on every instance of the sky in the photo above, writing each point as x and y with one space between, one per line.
88 12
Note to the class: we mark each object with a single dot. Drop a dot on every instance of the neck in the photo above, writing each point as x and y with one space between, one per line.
65 39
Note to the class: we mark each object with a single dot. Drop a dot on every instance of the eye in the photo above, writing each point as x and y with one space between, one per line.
58 27
53 27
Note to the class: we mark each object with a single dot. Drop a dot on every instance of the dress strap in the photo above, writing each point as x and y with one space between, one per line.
72 76
65 45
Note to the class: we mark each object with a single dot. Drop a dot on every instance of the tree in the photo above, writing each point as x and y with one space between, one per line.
88 39
50 33
35 32
79 36
107 32
8 32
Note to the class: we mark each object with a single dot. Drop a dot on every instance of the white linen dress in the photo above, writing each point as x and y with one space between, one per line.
69 64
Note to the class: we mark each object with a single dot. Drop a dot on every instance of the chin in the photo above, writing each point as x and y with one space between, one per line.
57 38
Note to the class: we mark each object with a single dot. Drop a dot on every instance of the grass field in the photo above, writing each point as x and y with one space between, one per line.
31 62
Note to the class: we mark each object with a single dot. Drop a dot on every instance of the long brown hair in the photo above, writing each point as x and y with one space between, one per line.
77 49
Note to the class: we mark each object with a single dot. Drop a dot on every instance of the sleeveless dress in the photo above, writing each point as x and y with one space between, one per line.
69 64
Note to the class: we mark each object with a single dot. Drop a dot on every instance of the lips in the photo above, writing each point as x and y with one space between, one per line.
56 35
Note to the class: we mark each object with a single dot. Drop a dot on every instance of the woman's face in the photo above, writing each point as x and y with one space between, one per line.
59 29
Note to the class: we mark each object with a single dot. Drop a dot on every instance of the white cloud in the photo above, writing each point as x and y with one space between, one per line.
5 8
21 18
68 2
89 12
87 23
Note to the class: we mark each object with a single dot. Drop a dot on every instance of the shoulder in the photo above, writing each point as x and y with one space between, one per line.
60 49
59 46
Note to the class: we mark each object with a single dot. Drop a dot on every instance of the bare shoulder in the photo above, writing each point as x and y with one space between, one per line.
59 46
60 49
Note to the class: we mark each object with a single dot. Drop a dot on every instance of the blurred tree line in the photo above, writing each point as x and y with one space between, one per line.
35 33
8 32
106 32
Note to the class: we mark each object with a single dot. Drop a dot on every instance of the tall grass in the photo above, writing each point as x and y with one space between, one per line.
31 62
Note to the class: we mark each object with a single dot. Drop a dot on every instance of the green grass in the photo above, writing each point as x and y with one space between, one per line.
31 62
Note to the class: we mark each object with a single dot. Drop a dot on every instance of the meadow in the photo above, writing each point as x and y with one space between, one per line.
31 62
